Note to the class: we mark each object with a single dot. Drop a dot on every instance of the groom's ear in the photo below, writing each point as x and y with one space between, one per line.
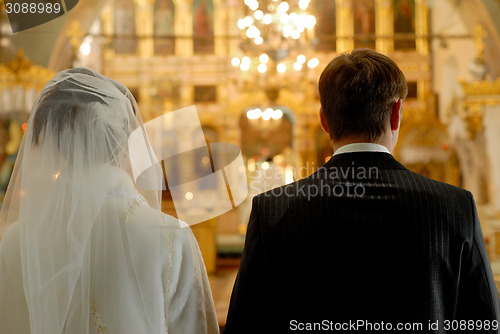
322 118
396 114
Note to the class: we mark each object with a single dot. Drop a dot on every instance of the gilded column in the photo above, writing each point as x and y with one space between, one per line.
422 26
107 28
233 14
187 94
384 26
345 25
183 27
144 23
220 28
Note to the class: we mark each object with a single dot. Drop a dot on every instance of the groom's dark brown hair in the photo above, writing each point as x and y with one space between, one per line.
357 91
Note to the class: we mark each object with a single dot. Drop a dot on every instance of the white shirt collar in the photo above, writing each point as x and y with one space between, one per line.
361 147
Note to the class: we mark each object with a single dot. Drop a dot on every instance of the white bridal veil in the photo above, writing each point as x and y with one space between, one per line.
69 199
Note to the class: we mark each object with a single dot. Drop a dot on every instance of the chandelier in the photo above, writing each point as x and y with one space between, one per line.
273 31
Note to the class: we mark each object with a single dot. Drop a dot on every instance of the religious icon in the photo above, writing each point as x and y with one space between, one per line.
404 23
203 26
324 10
364 24
124 23
164 27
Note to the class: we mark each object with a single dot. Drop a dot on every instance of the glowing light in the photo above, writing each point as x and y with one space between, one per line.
283 7
254 113
85 48
245 60
265 165
248 21
288 174
301 59
259 40
303 4
310 22
295 34
297 66
253 32
264 58
313 63
281 68
244 67
242 24
277 114
254 5
235 62
267 19
267 114
262 68
189 196
284 18
287 30
258 14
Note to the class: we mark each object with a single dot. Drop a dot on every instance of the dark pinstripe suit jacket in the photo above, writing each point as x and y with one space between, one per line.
362 239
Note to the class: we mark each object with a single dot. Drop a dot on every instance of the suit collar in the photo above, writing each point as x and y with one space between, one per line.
361 147
364 159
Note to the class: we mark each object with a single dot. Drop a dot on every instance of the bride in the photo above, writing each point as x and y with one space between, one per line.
84 248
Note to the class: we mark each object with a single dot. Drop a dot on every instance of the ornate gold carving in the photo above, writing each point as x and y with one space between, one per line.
76 34
479 35
422 26
21 71
481 87
345 25
477 95
472 114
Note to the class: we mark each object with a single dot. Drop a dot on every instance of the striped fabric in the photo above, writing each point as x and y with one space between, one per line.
363 241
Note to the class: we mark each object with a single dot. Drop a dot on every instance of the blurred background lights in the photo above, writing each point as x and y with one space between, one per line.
313 63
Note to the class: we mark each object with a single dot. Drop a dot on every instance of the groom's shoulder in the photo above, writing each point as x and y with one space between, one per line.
324 180
418 182
294 191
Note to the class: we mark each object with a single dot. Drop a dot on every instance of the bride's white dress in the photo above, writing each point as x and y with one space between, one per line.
171 269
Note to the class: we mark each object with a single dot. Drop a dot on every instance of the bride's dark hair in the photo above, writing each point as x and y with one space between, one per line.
60 108
72 114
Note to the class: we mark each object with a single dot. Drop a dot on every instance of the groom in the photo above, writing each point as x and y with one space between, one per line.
364 244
